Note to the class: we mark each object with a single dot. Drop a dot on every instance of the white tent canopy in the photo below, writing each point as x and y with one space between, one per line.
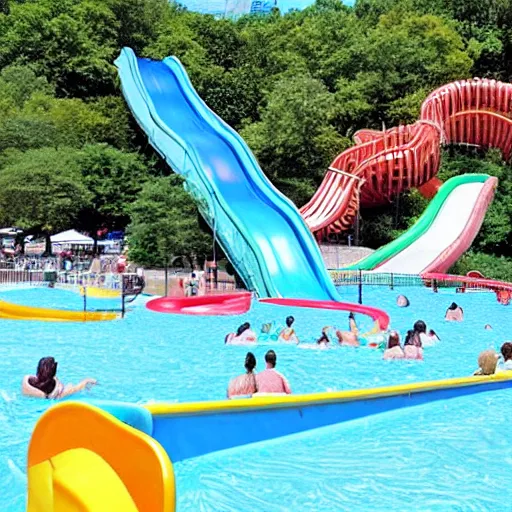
71 237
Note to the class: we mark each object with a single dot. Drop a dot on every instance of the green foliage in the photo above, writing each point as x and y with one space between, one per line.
114 178
493 267
165 224
297 86
42 189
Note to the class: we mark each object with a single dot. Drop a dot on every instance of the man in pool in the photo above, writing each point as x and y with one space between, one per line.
270 381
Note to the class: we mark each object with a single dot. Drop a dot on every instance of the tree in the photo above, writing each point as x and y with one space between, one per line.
294 139
114 179
42 190
165 224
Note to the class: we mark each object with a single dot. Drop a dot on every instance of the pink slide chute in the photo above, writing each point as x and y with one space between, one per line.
383 164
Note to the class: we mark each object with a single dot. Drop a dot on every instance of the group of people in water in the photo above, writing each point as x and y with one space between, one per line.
488 360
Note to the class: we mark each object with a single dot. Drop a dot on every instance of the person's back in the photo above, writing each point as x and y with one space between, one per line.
287 335
245 384
454 313
270 380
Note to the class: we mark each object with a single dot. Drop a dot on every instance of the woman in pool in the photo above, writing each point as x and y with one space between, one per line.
325 338
393 349
487 362
46 385
412 346
506 352
243 335
433 336
454 313
349 338
287 335
420 330
244 384
402 301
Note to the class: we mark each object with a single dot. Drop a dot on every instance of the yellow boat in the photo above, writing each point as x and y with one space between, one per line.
11 311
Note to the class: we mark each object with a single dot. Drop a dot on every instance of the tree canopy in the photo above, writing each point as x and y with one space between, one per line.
297 86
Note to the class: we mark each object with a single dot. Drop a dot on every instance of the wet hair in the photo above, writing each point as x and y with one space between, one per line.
432 333
243 328
453 306
420 327
271 358
45 377
250 362
506 350
351 316
412 338
393 340
289 321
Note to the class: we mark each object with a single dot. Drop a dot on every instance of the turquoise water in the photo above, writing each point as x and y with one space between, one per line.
387 460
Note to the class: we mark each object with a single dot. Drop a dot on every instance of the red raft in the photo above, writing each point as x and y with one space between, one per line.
219 304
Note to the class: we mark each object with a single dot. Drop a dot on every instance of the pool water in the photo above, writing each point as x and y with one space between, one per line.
384 461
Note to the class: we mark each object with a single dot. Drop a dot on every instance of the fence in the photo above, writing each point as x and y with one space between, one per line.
434 281
13 276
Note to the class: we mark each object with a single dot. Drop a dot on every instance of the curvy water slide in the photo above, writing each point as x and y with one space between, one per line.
260 230
442 234
384 163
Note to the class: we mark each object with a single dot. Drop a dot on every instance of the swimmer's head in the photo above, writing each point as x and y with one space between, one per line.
271 358
506 350
408 337
250 362
453 306
393 340
487 361
289 321
420 326
351 316
488 327
243 328
402 301
46 369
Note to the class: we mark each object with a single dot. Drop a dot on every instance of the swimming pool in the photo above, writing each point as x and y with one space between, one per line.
152 357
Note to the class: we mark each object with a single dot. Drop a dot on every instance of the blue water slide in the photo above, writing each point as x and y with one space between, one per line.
259 229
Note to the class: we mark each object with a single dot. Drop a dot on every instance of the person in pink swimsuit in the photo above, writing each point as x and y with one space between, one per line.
245 384
270 380
393 350
454 313
412 346
243 335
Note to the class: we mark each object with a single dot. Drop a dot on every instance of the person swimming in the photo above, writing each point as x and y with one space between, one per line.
243 335
488 327
506 352
402 301
244 384
393 349
433 336
287 335
454 313
46 385
412 346
270 381
487 362
324 338
420 329
350 337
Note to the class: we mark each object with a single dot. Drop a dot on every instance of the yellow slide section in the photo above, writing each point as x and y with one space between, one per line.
82 459
11 311
99 293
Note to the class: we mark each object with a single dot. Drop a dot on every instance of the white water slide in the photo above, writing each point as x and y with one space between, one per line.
442 234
